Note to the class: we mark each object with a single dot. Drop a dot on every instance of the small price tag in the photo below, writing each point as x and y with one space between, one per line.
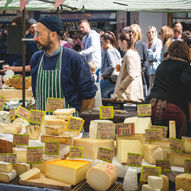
34 155
153 135
8 157
187 165
143 110
106 112
176 145
164 164
76 152
134 159
2 103
105 154
22 113
52 148
53 104
105 131
36 116
20 139
164 129
74 124
12 114
149 171
125 129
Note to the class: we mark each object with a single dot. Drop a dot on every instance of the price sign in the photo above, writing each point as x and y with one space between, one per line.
52 148
20 139
2 103
187 165
125 129
36 116
149 171
12 114
153 135
134 159
22 113
144 110
106 112
164 129
34 155
176 145
8 157
53 104
74 124
164 164
76 152
105 131
105 154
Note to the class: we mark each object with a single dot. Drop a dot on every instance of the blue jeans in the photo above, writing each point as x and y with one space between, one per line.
107 88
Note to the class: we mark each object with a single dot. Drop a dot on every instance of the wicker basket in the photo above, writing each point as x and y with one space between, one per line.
18 84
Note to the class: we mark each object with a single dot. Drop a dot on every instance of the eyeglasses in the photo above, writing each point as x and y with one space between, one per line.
149 32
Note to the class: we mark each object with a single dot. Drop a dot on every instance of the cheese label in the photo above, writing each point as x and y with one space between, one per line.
76 152
8 157
164 129
12 114
106 112
36 116
143 110
105 131
20 139
134 159
2 103
52 148
164 164
153 135
34 155
125 129
176 145
74 124
53 104
149 171
187 165
22 113
105 154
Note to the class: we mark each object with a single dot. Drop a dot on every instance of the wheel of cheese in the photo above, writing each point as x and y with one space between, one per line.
101 176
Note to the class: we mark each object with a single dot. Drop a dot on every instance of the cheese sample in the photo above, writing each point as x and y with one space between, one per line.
21 167
155 182
33 131
91 146
186 144
165 183
101 176
54 130
152 153
127 146
183 181
7 177
54 120
10 128
30 174
172 129
5 167
69 171
21 154
68 111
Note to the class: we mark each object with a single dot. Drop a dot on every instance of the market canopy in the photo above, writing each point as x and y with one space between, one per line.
126 5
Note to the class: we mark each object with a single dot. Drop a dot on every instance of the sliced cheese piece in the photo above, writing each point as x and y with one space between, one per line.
21 167
69 171
183 181
186 144
152 153
21 154
10 128
172 129
155 182
21 121
54 130
30 174
165 183
68 111
101 176
33 131
54 120
91 146
5 167
7 177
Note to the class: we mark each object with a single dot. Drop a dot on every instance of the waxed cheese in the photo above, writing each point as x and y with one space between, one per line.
183 181
30 174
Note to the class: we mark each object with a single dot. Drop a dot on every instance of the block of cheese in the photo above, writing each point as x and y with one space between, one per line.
101 176
121 169
69 171
68 111
54 120
183 181
21 167
60 139
4 117
140 137
146 187
10 128
5 167
155 182
21 121
54 130
152 153
30 174
7 177
127 146
91 146
186 144
172 129
33 131
165 183
21 154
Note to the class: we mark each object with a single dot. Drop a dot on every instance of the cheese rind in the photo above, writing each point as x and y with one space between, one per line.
33 131
21 167
5 167
7 177
183 181
155 182
30 174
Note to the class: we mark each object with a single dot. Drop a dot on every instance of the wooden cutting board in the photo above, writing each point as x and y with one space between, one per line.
46 183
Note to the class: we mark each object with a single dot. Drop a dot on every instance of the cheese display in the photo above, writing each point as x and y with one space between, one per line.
186 144
127 146
7 177
21 121
10 128
30 174
33 131
101 176
91 146
21 154
152 153
165 183
4 117
54 130
5 167
66 112
69 171
183 181
21 167
172 129
155 182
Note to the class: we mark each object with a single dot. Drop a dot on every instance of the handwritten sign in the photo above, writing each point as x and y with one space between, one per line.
105 154
2 103
144 110
187 165
176 145
52 148
106 112
34 155
125 129
149 171
76 152
12 114
36 116
153 135
134 159
8 157
53 104
164 129
20 139
105 131
74 124
22 113
164 164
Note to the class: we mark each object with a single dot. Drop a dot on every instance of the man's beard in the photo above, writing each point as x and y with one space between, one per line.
46 47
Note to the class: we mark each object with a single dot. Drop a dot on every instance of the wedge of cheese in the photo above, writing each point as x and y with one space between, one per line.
33 131
21 154
5 167
21 121
54 120
66 112
54 130
7 177
10 128
139 137
30 174
186 144
155 182
183 181
69 171
21 167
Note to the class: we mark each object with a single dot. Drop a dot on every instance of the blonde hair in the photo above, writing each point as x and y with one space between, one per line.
155 31
137 28
167 33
